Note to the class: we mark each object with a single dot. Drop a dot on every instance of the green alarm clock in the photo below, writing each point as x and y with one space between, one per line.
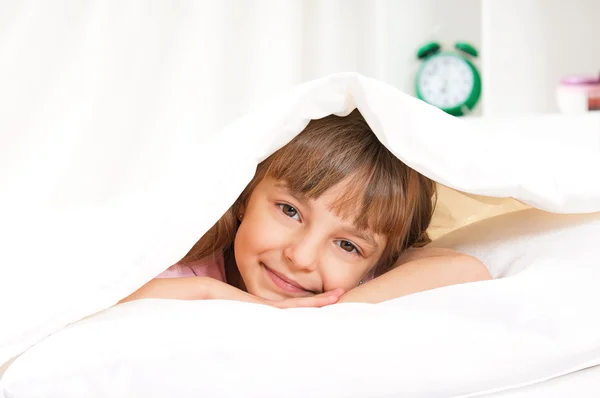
448 80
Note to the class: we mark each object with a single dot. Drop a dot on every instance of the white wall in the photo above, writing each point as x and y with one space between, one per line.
380 38
528 45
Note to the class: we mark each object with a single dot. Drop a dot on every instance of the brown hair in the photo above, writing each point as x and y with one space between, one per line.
389 197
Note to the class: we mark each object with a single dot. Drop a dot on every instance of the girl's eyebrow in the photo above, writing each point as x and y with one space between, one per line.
364 235
283 186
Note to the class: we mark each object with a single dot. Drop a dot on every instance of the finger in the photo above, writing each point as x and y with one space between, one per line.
321 300
335 292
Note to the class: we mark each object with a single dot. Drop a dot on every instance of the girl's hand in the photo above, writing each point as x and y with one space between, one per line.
205 288
320 300
217 290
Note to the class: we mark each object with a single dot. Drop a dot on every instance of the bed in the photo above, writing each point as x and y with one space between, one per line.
534 329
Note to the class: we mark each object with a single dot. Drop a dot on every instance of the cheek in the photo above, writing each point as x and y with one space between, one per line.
244 245
338 273
255 236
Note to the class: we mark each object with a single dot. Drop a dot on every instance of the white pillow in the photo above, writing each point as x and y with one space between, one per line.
461 340
507 243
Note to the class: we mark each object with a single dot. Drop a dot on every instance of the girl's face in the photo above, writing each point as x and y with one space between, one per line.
289 246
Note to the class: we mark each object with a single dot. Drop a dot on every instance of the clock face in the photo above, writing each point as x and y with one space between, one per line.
446 81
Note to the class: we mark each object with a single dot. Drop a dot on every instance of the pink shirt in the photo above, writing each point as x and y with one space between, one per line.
212 266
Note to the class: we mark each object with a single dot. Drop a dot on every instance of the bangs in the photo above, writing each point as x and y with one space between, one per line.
372 177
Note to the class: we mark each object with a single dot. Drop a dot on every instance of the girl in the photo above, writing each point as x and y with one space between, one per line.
333 216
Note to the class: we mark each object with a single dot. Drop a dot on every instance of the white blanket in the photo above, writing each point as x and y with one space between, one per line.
72 253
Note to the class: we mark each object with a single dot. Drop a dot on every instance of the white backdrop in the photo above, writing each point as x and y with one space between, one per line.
135 77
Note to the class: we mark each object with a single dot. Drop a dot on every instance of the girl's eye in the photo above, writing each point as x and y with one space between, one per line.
348 247
289 211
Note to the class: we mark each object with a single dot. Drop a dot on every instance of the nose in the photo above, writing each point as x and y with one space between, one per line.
302 253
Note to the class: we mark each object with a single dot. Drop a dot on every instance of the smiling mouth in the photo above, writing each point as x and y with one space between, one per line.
283 283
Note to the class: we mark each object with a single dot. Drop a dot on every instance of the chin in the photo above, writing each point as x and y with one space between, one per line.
267 294
258 285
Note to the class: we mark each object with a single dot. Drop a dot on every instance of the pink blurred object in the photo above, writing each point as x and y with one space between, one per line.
578 94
